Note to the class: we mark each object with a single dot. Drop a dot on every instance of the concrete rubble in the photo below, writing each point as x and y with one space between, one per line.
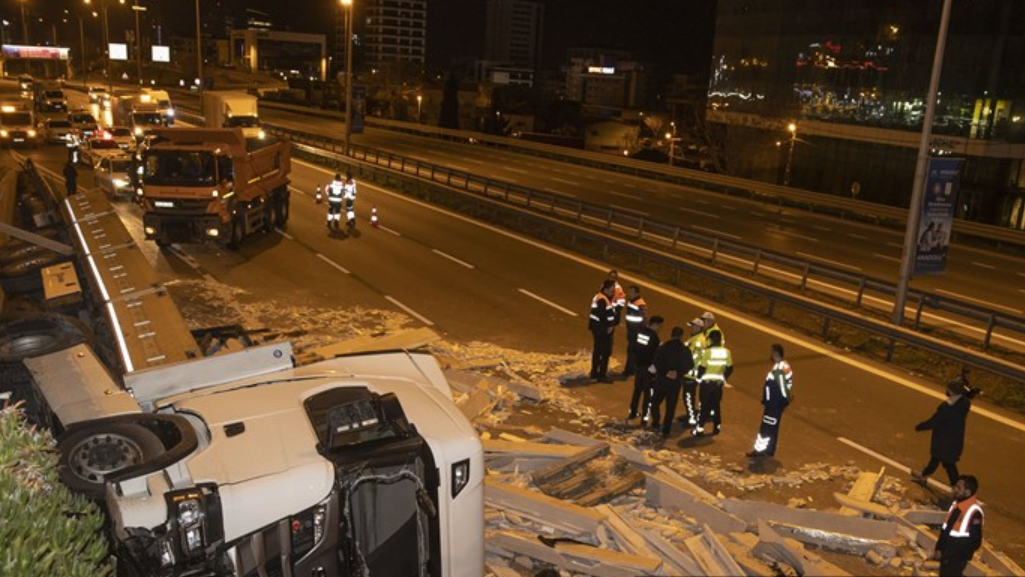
613 504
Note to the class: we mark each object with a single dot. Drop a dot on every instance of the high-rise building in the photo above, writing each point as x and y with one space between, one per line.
853 77
513 33
395 34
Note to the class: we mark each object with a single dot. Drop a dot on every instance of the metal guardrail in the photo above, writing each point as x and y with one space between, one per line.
779 195
639 227
830 315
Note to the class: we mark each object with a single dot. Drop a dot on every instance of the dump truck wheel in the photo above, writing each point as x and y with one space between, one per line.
90 454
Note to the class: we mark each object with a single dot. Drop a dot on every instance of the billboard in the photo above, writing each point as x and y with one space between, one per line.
118 51
161 54
35 52
937 215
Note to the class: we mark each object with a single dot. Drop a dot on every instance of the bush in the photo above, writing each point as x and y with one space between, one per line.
44 528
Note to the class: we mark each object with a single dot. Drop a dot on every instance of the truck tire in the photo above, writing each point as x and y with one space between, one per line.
237 234
18 251
283 210
91 453
34 336
270 216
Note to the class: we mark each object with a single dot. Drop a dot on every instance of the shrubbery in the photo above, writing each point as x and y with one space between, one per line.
45 530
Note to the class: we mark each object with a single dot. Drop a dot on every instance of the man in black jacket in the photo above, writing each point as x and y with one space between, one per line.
644 345
948 429
602 323
961 534
672 361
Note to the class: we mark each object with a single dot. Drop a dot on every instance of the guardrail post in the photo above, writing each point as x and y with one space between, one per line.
715 249
757 262
989 331
918 312
861 292
804 275
640 228
825 329
485 192
608 220
772 307
448 177
551 209
676 236
676 277
889 350
580 210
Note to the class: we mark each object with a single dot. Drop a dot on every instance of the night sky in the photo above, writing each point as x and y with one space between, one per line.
674 33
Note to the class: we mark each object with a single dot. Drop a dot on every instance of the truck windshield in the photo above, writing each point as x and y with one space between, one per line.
241 122
178 167
152 118
54 94
15 119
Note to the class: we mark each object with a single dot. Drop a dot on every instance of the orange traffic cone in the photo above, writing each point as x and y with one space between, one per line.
373 215
319 198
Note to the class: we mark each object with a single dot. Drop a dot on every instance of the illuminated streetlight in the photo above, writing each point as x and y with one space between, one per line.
106 41
672 146
138 41
347 6
792 128
419 107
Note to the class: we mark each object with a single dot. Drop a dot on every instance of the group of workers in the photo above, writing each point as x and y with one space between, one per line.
341 192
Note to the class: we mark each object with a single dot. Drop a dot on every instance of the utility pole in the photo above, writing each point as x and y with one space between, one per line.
347 6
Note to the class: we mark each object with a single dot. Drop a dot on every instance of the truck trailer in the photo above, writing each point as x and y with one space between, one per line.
201 184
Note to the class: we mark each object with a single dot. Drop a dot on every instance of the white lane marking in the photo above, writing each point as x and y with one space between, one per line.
565 181
628 209
298 191
284 234
788 220
716 232
628 185
702 213
857 236
623 194
699 201
884 257
730 208
511 169
794 234
980 301
388 230
559 192
832 262
409 310
452 258
547 302
822 228
889 461
983 265
477 160
332 263
753 324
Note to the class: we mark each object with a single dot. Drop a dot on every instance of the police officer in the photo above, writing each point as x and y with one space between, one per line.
961 534
644 345
775 398
714 369
70 177
672 361
618 296
636 310
709 324
335 192
697 344
602 323
349 192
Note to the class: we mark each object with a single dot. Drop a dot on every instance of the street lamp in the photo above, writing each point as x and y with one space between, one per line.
138 40
199 56
419 107
347 7
24 25
792 128
672 146
106 41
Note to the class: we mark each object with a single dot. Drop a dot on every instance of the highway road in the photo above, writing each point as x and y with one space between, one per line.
472 282
978 276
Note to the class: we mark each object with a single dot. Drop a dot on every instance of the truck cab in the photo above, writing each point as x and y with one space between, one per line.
162 101
17 125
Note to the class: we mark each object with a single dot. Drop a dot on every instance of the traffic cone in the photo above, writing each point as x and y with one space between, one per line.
373 216
320 197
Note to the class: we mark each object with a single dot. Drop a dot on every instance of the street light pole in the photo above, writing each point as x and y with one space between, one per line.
911 232
419 108
24 25
81 40
199 55
792 128
138 41
347 7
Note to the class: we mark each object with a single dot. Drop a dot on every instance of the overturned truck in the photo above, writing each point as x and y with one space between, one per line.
244 463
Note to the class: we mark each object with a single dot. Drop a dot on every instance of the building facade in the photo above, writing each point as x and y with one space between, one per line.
395 34
853 76
513 33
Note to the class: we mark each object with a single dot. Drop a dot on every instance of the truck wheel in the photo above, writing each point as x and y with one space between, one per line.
34 336
270 216
283 211
90 454
237 234
20 251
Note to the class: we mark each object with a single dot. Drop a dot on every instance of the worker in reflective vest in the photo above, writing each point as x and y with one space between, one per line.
708 321
776 396
335 191
636 310
644 346
349 192
618 295
602 323
697 343
714 368
961 534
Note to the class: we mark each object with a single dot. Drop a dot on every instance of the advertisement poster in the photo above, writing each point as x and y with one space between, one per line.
161 53
937 215
118 51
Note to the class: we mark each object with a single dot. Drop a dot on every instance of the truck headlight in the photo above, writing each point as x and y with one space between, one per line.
150 231
189 512
31 133
3 133
138 131
460 476
120 183
170 113
214 193
262 135
194 519
212 232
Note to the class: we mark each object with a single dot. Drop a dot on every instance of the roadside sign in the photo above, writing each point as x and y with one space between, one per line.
937 215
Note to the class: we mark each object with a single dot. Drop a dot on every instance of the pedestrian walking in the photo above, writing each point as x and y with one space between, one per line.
636 310
70 177
602 323
644 346
335 192
961 533
714 370
672 361
697 344
948 429
776 396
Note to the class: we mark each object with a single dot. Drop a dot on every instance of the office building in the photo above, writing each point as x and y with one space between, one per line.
513 33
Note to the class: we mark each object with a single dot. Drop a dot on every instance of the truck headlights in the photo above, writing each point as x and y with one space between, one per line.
3 133
31 133
120 183
138 131
460 476
193 520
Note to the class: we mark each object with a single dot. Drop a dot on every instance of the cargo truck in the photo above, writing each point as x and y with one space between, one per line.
17 124
139 113
232 109
203 184
245 463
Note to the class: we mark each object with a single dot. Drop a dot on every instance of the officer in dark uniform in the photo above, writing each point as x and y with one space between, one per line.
672 361
644 345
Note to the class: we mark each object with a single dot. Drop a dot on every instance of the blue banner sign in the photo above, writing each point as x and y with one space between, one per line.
937 215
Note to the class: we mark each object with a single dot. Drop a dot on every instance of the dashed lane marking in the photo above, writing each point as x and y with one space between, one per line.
422 318
452 258
332 263
547 302
832 262
980 301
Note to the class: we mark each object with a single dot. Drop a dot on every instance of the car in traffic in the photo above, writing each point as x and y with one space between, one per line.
84 123
112 175
56 130
52 100
93 150
99 95
122 135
